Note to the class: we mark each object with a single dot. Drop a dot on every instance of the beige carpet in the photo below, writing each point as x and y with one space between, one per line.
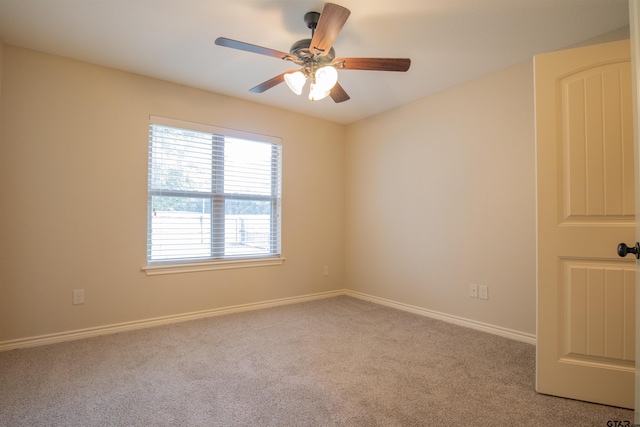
334 362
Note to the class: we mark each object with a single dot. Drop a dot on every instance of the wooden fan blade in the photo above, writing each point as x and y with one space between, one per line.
234 44
331 21
374 64
270 83
338 94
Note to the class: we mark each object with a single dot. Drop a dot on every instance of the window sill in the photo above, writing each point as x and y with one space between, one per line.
152 270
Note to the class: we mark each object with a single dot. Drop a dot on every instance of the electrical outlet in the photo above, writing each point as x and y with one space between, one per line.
484 292
473 290
325 270
78 296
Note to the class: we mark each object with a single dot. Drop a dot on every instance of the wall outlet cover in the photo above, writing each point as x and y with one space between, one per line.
483 292
473 290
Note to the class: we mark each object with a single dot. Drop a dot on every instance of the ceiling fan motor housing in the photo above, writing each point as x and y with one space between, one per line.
301 50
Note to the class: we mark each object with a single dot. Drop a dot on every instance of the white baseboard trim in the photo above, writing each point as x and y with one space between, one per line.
157 321
461 321
166 320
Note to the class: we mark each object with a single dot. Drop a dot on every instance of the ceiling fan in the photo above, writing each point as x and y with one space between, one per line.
317 58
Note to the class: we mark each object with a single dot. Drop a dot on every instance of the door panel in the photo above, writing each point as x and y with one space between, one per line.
597 146
586 206
597 312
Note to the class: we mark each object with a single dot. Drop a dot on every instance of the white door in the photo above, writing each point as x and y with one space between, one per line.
634 24
586 206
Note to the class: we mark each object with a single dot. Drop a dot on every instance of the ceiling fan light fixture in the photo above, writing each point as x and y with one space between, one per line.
326 78
295 81
316 93
317 57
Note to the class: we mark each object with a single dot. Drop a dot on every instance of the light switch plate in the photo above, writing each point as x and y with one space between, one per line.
78 296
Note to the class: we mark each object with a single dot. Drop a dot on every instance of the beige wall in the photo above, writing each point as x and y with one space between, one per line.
424 200
440 194
73 176
1 56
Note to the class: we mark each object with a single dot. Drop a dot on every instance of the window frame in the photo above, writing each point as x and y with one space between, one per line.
217 261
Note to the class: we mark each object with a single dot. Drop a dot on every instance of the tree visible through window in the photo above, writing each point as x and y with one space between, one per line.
213 193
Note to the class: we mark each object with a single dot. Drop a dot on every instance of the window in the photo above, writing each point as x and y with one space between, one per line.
213 194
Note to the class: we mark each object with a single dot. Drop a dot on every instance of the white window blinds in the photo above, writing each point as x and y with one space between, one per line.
213 193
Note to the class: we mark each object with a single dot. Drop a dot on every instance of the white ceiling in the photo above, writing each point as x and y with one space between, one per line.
448 41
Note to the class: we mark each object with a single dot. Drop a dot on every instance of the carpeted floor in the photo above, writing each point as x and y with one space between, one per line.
333 362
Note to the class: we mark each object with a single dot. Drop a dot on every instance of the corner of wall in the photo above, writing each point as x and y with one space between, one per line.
1 67
1 64
1 81
1 85
2 155
622 33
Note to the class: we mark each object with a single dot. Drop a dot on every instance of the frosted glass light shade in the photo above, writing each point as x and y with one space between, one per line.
295 81
326 77
317 93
